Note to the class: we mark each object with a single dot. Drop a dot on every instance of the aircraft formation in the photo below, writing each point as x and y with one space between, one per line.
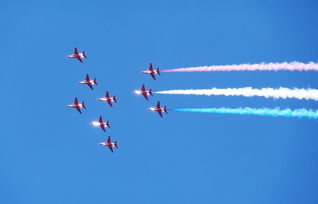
308 94
111 99
152 72
79 106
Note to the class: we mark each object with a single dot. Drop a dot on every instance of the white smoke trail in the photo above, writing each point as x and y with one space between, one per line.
285 66
307 94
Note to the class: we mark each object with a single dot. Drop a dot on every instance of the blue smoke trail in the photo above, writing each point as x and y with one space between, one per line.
288 113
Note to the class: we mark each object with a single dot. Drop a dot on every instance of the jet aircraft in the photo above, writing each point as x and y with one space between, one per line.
101 124
144 92
77 105
89 82
109 144
77 55
158 109
151 71
108 99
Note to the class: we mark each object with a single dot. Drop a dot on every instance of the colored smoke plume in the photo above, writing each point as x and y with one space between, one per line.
297 113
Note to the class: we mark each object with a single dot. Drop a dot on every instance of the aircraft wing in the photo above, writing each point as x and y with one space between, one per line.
78 109
79 59
158 105
111 148
110 103
143 87
75 51
153 75
103 127
75 101
160 113
87 77
145 95
108 139
90 86
107 95
150 67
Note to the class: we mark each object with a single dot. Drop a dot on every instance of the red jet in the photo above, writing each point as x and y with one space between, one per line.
101 124
108 99
77 105
77 55
144 92
158 109
89 82
151 71
109 144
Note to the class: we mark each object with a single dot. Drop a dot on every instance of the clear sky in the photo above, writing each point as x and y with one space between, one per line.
49 153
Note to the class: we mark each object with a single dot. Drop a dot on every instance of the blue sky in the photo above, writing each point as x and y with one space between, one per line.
49 153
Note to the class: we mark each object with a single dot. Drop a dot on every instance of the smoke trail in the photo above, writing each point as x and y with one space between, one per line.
288 113
308 94
285 66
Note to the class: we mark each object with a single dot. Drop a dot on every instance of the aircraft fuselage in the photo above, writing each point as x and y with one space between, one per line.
107 144
156 109
105 99
138 92
149 72
87 82
80 55
74 106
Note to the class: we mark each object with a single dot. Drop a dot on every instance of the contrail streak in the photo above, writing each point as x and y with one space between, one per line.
285 66
288 113
308 94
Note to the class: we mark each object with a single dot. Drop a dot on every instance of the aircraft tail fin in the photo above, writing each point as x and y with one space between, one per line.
95 82
158 71
83 104
116 144
165 109
150 92
107 124
84 54
114 98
